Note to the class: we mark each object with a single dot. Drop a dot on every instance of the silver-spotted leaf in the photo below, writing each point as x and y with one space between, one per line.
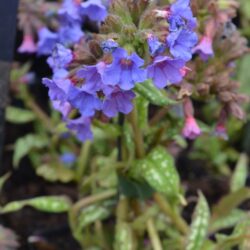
199 226
152 94
50 204
159 171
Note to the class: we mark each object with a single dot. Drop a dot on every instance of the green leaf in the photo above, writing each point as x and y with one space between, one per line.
133 189
230 202
239 177
55 173
91 214
227 221
25 144
199 226
50 204
243 229
17 115
3 179
142 107
152 94
159 171
124 237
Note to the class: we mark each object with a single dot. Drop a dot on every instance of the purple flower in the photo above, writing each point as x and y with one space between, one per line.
60 58
118 101
85 102
68 158
94 10
70 33
28 45
69 12
125 70
81 126
63 107
92 76
155 46
46 41
58 88
165 71
181 43
191 129
178 11
204 48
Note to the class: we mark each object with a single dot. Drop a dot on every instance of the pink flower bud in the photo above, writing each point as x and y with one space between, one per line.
204 48
28 45
191 129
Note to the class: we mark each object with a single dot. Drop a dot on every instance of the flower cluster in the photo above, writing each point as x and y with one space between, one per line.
69 19
107 85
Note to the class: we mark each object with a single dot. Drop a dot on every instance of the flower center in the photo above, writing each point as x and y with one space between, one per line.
126 62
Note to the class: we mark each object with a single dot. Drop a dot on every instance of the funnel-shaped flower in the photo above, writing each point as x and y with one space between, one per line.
125 70
191 129
204 48
118 101
28 45
165 71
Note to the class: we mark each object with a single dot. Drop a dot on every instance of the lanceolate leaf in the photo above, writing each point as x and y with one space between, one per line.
229 202
199 226
152 94
50 204
240 174
142 107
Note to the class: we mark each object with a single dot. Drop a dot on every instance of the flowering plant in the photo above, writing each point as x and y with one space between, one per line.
127 78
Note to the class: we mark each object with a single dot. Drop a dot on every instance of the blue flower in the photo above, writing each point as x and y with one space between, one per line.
81 126
92 76
165 71
58 88
85 102
181 43
63 107
70 33
60 58
109 46
125 70
94 10
181 16
69 12
118 101
155 46
46 41
68 158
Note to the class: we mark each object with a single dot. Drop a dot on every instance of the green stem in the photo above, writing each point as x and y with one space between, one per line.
83 160
180 224
154 237
73 212
40 114
138 138
101 235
